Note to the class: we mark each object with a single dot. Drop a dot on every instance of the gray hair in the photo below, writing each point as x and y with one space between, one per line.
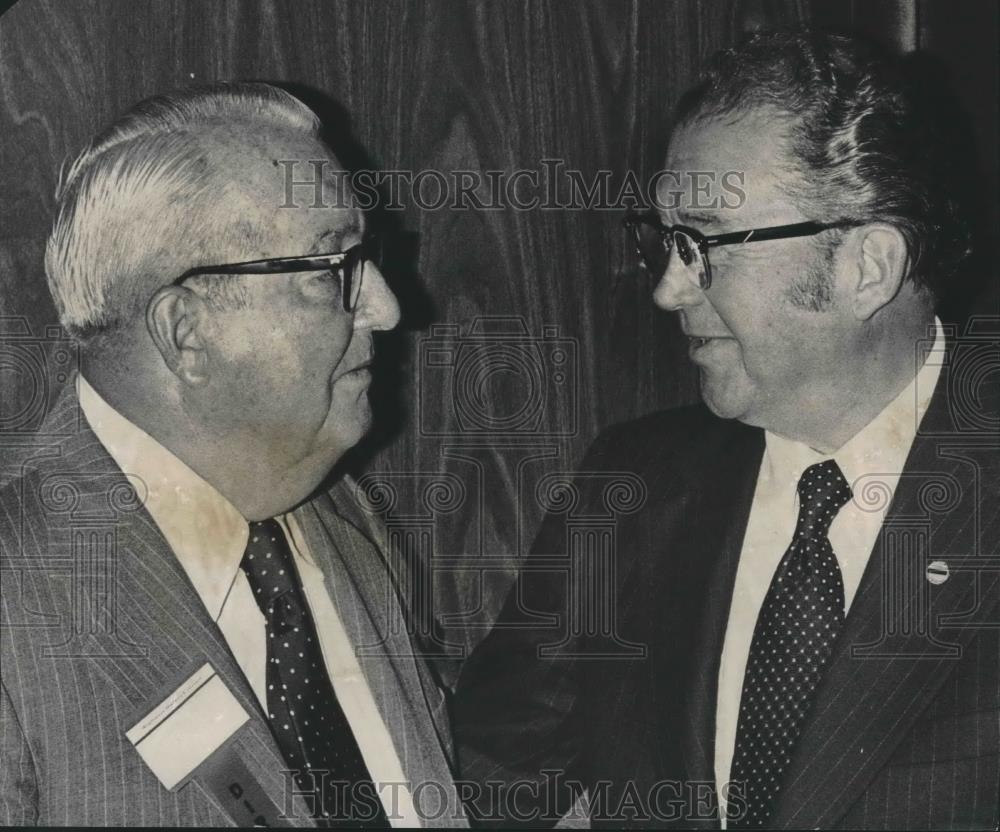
139 192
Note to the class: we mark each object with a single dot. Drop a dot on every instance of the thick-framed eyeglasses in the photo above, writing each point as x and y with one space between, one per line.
655 242
347 267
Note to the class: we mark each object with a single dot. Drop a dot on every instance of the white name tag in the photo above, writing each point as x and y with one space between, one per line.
188 726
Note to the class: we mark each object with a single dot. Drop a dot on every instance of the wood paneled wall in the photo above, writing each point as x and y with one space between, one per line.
422 84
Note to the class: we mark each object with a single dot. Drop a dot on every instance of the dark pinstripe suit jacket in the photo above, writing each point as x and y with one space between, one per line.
99 620
905 730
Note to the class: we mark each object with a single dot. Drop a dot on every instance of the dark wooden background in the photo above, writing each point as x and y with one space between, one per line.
448 85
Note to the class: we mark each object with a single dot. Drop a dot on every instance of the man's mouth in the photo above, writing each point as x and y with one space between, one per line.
358 371
699 342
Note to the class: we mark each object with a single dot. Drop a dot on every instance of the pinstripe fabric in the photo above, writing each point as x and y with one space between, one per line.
904 728
99 621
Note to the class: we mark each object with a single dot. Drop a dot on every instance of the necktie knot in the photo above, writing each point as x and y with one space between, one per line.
823 491
268 565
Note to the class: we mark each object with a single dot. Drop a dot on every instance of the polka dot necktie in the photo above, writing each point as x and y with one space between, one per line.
798 624
306 719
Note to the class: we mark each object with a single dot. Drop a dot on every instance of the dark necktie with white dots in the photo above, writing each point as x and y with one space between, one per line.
308 722
799 622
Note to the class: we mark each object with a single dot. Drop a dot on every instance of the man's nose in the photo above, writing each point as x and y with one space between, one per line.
676 289
377 305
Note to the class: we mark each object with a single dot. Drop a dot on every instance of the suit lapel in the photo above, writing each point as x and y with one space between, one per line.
159 599
360 583
893 656
146 624
728 480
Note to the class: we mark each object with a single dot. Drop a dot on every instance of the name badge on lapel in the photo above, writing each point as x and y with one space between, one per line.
187 727
189 734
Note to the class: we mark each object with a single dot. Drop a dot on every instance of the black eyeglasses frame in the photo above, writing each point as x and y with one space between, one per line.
350 262
704 242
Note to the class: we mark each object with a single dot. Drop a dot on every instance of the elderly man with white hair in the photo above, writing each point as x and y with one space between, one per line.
198 628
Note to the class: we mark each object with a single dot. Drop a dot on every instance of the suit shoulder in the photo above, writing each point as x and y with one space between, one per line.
54 483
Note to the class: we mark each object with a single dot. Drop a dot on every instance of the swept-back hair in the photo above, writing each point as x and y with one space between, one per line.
144 189
864 142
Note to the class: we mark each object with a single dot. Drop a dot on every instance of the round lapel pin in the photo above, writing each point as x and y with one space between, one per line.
937 572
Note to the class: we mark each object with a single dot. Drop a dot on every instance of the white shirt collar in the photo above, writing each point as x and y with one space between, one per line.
882 445
206 533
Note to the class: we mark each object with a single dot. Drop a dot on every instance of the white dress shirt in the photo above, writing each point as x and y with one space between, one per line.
871 462
208 536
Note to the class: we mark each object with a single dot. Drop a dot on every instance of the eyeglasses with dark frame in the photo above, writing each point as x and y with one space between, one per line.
655 241
348 266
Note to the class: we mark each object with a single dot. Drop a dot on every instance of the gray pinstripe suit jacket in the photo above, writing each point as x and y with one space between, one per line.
904 731
100 620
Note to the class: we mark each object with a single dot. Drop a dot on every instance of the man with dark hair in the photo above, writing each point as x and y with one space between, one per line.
197 618
797 629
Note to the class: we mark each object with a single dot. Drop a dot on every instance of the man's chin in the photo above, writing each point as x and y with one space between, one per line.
345 433
722 400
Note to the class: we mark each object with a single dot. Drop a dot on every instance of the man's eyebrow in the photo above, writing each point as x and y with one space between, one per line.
334 236
697 217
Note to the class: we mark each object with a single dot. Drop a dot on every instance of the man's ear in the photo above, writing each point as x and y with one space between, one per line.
173 318
882 261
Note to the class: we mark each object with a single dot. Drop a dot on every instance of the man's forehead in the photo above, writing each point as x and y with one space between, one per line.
758 135
288 222
724 169
265 157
